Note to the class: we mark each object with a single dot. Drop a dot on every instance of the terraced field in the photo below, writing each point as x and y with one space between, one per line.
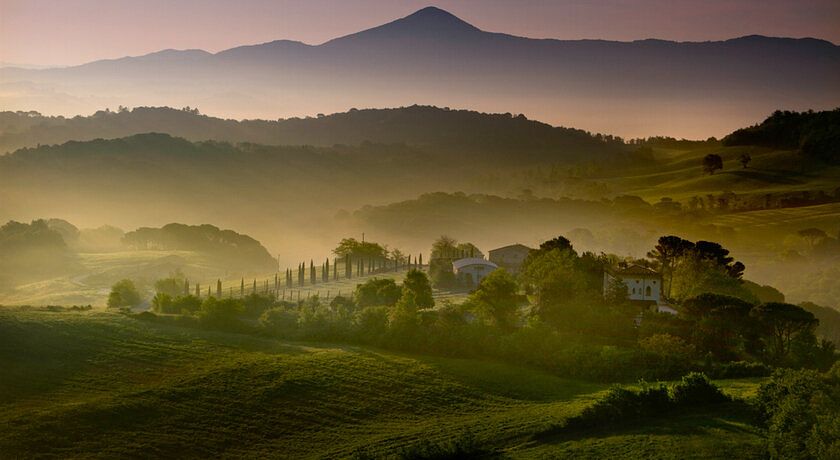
103 385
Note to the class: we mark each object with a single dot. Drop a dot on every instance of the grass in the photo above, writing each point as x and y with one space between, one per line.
680 175
102 385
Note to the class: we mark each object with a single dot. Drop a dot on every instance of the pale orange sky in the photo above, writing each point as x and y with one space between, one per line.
42 32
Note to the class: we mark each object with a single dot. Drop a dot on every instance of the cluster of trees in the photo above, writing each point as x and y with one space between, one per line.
692 268
815 134
31 251
723 328
237 250
730 201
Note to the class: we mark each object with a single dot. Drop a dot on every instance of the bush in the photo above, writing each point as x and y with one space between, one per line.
281 322
377 292
696 389
800 410
124 294
621 404
739 370
146 316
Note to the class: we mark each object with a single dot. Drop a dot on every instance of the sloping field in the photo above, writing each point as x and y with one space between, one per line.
787 219
104 385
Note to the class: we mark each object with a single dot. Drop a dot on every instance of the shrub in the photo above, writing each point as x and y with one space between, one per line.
281 322
146 316
377 292
621 404
124 294
739 370
696 389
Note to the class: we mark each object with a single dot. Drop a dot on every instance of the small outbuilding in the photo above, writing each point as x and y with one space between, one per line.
472 270
510 257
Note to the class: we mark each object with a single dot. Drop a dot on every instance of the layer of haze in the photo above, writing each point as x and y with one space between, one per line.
40 32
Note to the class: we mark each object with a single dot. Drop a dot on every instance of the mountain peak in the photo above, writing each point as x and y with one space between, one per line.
433 18
427 23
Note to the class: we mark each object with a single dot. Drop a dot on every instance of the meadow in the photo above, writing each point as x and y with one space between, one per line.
97 384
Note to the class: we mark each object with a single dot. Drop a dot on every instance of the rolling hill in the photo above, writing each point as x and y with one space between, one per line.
96 384
423 126
435 58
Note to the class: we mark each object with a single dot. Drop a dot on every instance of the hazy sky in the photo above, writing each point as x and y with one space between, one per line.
64 32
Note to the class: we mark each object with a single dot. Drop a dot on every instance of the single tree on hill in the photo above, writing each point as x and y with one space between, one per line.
712 162
745 159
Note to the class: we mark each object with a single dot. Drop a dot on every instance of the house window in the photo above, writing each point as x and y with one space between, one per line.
648 291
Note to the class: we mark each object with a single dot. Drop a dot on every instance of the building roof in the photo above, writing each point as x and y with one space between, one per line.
635 270
461 263
510 246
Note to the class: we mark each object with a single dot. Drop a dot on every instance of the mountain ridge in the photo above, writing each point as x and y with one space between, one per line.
687 89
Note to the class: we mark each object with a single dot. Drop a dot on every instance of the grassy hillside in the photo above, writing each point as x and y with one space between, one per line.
97 384
678 174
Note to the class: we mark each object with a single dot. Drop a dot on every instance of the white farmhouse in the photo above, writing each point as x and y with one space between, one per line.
472 269
643 284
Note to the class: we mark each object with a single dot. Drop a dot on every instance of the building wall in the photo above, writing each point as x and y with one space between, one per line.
476 272
511 259
639 287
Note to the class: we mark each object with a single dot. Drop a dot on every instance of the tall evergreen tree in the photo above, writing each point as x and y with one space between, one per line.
219 288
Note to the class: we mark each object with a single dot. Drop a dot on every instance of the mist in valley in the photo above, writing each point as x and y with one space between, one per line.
424 240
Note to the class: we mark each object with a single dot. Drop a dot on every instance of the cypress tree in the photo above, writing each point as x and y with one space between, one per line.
255 286
312 278
335 268
421 260
197 290
219 288
242 288
186 287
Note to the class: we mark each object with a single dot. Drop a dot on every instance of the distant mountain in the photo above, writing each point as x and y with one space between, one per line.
638 88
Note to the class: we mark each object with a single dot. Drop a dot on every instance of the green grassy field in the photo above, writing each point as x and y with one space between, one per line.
679 175
97 384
